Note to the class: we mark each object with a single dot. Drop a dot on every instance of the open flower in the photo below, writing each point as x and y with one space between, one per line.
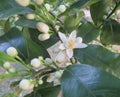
71 42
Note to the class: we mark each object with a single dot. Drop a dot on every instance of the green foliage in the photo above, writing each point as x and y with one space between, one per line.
26 23
100 57
89 34
72 20
99 10
78 80
87 81
10 7
110 32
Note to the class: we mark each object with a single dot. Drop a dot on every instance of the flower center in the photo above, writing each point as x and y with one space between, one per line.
71 44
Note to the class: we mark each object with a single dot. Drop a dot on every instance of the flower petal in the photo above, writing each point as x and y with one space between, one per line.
62 37
79 40
69 53
62 47
73 35
80 45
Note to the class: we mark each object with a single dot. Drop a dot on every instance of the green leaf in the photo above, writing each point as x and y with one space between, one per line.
25 46
26 23
88 32
100 57
50 92
87 81
46 92
14 38
110 33
98 11
81 3
10 7
73 20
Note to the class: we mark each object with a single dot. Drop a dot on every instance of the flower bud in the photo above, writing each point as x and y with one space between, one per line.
40 81
25 84
11 51
47 6
60 58
48 60
30 16
23 3
42 27
62 8
39 1
43 37
36 63
6 65
12 70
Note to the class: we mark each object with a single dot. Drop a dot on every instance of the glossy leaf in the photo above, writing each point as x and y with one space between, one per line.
73 20
26 23
88 32
110 33
10 7
100 57
45 92
87 81
25 46
98 11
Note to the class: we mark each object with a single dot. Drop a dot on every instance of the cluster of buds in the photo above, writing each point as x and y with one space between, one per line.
40 63
8 67
44 28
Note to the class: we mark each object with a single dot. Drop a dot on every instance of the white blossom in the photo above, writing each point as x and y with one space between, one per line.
71 42
23 3
42 27
11 51
60 58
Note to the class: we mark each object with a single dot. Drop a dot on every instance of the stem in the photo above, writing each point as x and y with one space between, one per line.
22 62
117 5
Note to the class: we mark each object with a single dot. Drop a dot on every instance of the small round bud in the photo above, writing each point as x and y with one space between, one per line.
11 51
43 37
23 3
42 27
25 84
35 63
40 58
48 60
30 16
40 82
47 6
6 65
12 70
39 1
62 8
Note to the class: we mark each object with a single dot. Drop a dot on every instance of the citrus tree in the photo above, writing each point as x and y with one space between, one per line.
60 48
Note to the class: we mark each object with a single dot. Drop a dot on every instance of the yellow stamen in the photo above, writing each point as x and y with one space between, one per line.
71 44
